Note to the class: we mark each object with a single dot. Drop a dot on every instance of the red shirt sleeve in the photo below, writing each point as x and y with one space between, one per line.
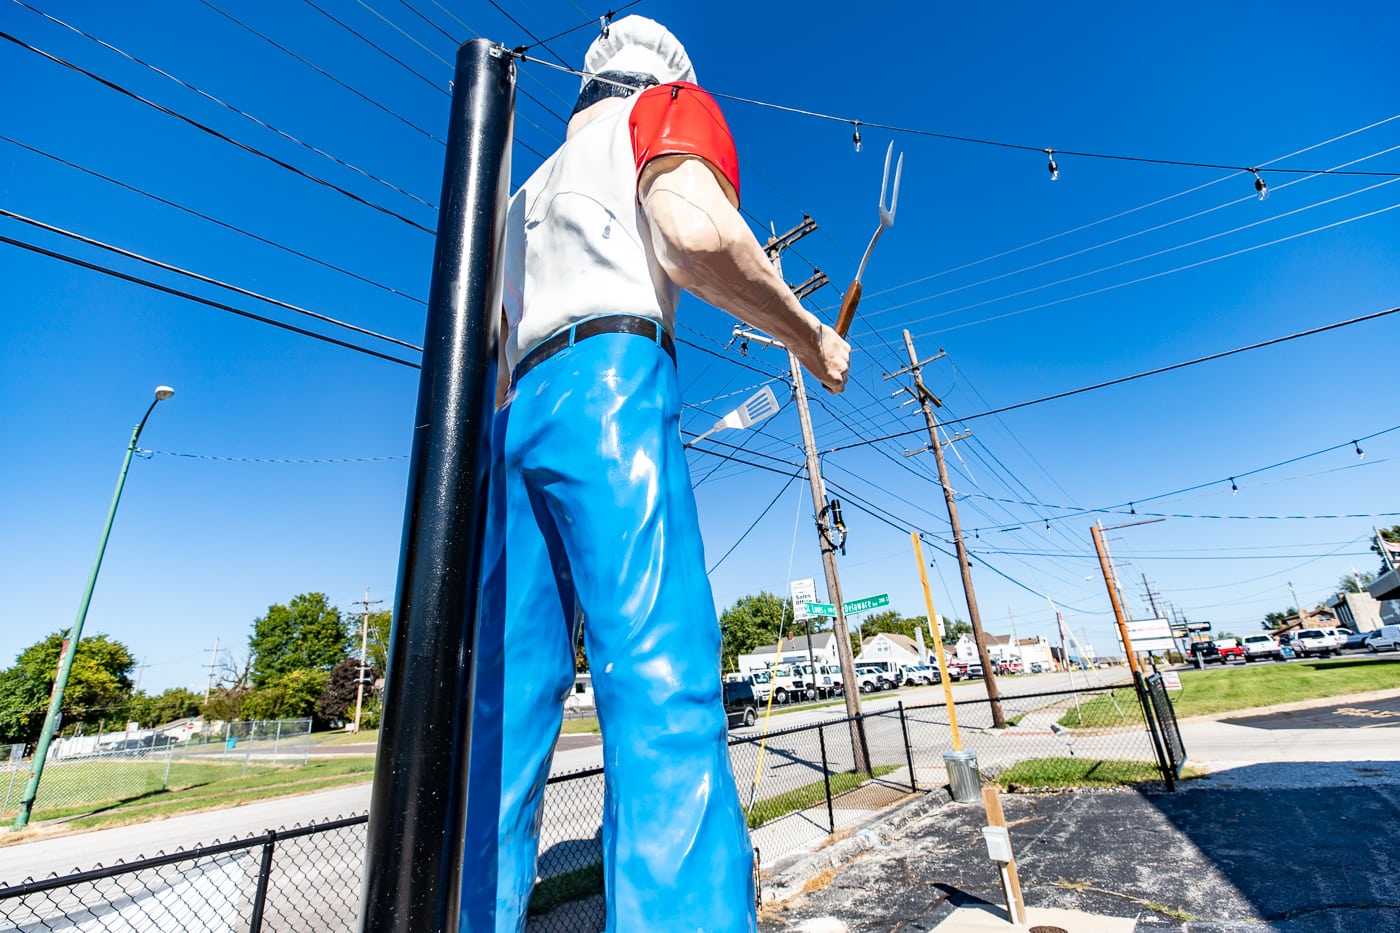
681 119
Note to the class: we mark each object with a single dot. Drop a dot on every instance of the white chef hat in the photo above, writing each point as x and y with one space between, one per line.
638 44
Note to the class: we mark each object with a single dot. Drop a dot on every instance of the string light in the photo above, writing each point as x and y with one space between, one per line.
1259 184
1234 490
605 23
1052 167
855 137
1360 454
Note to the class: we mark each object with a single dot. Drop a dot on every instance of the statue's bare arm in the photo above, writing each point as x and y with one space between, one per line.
704 246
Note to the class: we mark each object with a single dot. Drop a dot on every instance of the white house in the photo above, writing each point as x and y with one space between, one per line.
793 649
887 646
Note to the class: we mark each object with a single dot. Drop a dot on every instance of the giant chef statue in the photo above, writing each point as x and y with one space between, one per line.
593 519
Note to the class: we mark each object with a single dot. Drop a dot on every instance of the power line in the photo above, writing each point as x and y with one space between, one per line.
754 524
1142 375
230 107
73 260
380 49
326 74
1113 242
214 220
1133 210
914 131
218 135
1158 275
207 280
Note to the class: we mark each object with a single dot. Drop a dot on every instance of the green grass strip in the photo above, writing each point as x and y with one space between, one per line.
808 795
570 886
1078 772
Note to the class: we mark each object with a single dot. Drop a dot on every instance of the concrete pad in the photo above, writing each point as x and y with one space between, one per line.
984 917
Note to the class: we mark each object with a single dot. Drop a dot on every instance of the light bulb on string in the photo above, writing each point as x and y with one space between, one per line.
855 137
1234 490
1051 166
1361 454
1259 184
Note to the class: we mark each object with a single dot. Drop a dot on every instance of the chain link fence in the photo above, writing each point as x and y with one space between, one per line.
84 773
798 786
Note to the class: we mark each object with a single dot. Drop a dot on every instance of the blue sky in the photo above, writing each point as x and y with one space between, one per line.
293 452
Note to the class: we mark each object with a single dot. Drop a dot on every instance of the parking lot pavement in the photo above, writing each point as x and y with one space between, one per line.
1287 847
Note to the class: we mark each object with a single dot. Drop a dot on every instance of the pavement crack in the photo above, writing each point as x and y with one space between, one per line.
1166 910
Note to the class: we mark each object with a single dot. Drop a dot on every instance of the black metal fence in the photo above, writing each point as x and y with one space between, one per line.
799 787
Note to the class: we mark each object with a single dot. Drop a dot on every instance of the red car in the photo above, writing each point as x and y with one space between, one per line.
1230 650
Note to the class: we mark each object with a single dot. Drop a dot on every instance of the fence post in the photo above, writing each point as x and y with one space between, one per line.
169 757
306 746
908 749
264 873
276 740
826 779
248 752
1149 712
228 730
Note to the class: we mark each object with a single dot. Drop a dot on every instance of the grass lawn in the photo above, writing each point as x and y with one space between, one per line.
205 786
363 737
808 795
1234 687
1078 772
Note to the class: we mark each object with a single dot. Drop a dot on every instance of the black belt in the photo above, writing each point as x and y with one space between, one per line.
610 324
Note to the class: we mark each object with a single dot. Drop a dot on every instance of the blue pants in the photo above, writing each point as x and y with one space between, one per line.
593 518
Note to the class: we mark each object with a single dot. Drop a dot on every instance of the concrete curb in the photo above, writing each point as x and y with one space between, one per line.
789 874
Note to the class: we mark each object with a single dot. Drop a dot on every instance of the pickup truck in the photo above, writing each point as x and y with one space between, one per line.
1261 647
1317 642
1230 650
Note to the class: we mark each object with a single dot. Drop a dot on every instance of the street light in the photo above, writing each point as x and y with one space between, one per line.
65 661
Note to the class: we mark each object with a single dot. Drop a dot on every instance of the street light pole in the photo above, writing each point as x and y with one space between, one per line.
65 663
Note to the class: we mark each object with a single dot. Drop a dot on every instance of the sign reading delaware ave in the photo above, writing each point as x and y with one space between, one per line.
869 602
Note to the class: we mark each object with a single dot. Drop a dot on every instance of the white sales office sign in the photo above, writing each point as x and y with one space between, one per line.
803 592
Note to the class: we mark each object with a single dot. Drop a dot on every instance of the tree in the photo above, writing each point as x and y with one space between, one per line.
1392 535
309 634
379 627
1273 620
225 704
750 622
1347 583
175 703
337 701
953 629
99 685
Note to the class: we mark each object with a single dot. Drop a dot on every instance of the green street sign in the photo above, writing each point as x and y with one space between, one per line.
820 609
869 602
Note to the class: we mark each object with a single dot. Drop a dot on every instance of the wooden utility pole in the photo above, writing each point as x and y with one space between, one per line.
850 687
364 655
974 617
1110 580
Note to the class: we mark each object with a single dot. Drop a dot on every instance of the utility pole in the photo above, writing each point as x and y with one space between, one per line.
1015 639
1302 613
926 397
364 654
213 665
826 521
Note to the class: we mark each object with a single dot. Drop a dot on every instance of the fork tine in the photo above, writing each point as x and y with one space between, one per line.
894 198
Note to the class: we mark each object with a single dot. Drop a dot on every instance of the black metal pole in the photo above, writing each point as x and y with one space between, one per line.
908 748
413 850
255 922
826 780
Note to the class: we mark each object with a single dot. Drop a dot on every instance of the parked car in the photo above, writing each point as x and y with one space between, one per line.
1230 650
919 675
740 703
1038 667
870 679
1356 640
1385 638
1204 652
1315 642
1261 647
